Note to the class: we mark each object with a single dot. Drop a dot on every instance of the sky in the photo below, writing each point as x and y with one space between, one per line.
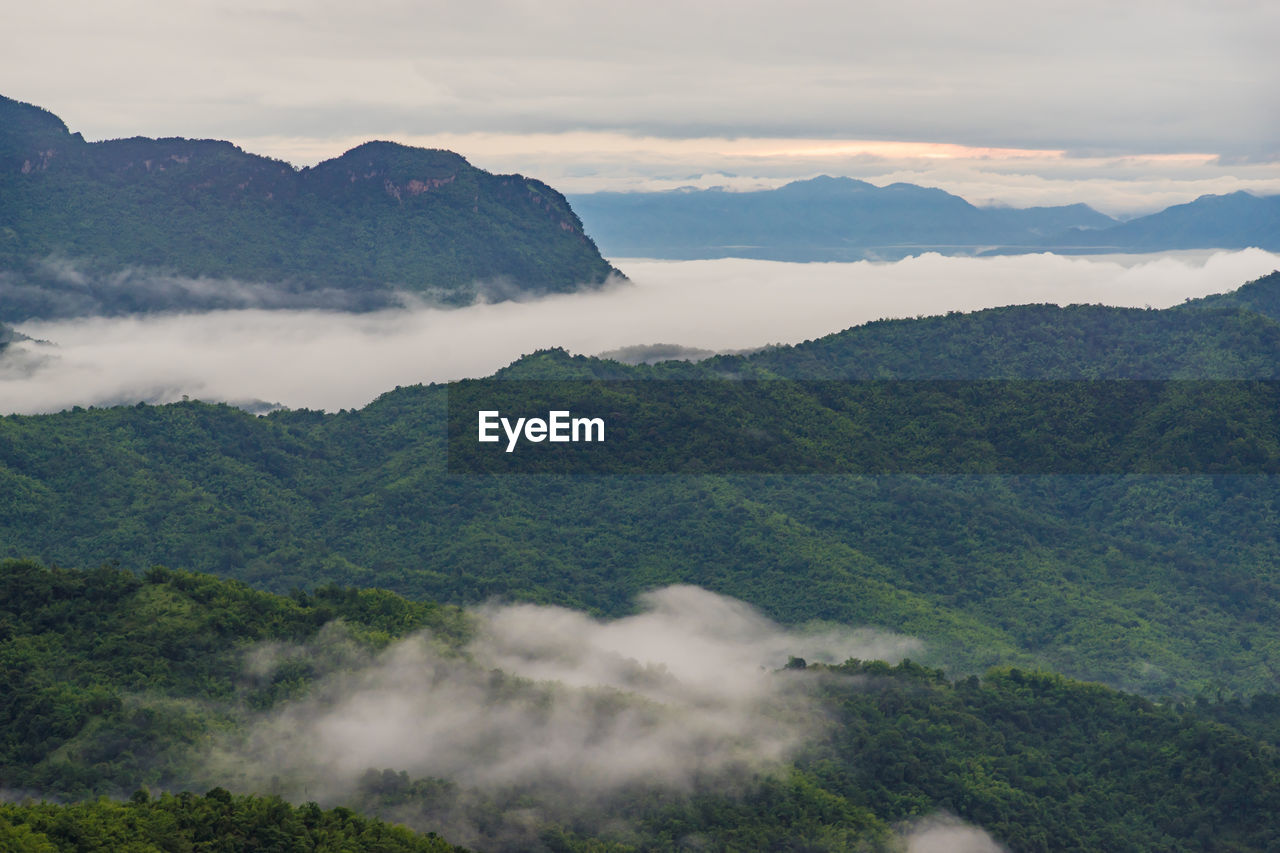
333 360
1127 106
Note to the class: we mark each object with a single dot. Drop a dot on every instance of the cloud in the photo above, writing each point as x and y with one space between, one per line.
550 708
1148 76
57 287
1128 108
946 834
335 360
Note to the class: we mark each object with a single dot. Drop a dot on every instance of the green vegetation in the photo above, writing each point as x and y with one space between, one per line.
218 821
114 683
1045 763
1166 585
108 680
1041 762
348 233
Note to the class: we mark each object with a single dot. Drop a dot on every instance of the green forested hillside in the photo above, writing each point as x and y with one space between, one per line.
1228 337
88 228
1162 584
107 677
116 683
215 821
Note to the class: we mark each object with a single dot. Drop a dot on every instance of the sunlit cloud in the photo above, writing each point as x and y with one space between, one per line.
898 150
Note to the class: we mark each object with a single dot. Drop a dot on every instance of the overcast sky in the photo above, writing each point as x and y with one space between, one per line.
1015 102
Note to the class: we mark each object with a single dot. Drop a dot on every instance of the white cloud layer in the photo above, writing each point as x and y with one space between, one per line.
332 360
684 695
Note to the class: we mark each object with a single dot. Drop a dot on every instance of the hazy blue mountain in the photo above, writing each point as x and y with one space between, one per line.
1234 221
822 219
841 219
152 224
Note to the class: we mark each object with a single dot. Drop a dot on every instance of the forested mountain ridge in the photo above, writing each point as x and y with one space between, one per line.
1161 584
114 652
349 232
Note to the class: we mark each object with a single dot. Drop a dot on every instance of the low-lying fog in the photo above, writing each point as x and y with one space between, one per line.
549 715
333 360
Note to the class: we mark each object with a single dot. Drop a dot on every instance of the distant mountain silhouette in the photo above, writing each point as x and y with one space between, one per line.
822 219
839 219
1234 221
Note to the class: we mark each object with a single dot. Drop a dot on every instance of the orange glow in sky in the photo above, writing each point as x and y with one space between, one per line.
902 150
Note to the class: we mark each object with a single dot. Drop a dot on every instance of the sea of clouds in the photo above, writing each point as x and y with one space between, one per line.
317 358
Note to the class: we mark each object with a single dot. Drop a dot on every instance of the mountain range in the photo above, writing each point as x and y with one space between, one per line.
125 677
300 613
187 224
842 219
1158 583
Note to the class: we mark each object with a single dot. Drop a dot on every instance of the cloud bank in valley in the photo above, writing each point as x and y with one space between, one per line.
333 360
551 709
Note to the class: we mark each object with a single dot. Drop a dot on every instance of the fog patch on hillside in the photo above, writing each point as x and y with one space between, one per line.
946 834
547 714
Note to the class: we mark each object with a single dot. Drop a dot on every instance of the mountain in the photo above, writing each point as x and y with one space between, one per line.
821 219
179 224
1164 584
1235 221
842 219
322 702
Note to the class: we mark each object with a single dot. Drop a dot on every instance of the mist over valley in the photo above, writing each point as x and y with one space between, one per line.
336 359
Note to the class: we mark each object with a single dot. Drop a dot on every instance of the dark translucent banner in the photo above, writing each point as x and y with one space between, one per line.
865 427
